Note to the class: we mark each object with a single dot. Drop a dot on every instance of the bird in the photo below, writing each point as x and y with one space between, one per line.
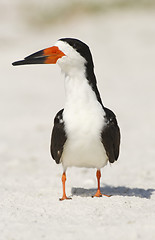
85 132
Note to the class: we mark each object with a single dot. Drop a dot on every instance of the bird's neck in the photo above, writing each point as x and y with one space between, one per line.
82 90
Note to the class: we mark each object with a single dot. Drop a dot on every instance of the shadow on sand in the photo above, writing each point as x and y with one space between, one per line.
114 191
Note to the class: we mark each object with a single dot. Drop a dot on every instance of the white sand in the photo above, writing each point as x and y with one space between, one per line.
123 46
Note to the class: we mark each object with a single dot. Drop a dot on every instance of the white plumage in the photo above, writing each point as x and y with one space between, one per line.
83 115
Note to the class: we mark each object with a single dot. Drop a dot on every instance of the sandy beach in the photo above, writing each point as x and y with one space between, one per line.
123 48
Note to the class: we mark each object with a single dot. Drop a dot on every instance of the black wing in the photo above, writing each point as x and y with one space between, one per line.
58 137
110 136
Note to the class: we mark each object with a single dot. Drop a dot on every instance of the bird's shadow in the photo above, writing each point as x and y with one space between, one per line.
114 191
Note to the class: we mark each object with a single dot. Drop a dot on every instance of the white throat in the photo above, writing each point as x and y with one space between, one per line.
72 64
79 93
81 100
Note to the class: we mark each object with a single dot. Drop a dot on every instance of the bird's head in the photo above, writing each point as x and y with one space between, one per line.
70 54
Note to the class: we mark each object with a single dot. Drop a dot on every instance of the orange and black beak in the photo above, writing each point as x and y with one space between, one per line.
46 56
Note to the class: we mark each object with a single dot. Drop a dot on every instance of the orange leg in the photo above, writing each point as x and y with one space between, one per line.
63 185
98 193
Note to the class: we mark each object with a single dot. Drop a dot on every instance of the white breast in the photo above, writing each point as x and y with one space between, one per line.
84 120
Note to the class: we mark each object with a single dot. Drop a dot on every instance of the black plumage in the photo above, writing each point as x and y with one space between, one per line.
110 136
58 137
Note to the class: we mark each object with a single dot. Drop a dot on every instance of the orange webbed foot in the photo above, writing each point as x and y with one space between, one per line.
99 194
65 198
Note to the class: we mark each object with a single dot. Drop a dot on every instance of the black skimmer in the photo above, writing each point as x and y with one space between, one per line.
85 132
